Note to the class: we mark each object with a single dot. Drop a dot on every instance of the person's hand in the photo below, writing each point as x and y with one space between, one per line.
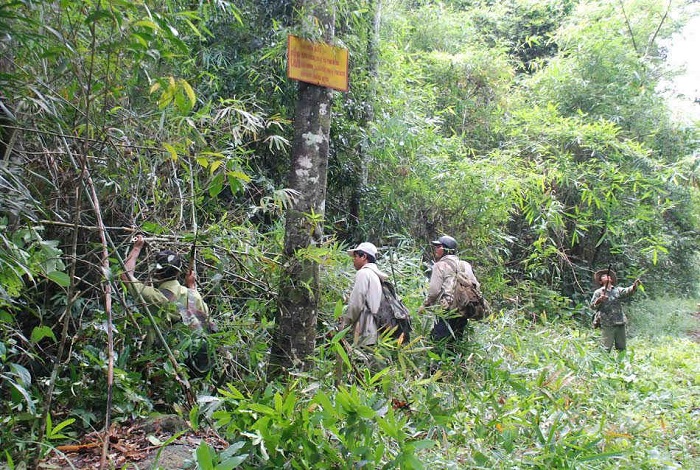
191 280
601 299
636 284
421 309
130 262
139 241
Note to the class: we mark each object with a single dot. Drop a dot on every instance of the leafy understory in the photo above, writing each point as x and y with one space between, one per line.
515 395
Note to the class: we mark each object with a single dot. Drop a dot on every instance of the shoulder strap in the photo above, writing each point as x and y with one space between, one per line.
454 265
170 295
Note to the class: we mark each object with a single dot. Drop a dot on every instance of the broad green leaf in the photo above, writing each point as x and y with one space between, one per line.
231 392
216 185
214 165
171 150
340 351
203 162
25 378
22 391
204 456
54 434
146 24
60 278
261 408
41 332
239 175
232 462
234 184
189 92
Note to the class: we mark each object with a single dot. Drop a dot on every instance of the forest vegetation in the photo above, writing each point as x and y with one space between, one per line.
535 132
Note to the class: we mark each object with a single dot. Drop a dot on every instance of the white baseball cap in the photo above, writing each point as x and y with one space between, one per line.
365 247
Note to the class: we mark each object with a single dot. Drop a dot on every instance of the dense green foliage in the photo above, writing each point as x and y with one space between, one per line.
531 131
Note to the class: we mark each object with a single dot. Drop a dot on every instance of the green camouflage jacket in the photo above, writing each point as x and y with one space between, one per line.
610 311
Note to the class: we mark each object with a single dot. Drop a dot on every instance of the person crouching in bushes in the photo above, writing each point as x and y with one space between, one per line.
190 308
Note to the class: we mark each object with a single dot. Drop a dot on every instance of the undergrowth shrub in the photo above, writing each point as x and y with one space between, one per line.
512 394
664 316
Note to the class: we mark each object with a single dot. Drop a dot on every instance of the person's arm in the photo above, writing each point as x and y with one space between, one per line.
149 294
357 301
437 279
627 291
191 283
598 298
596 302
191 280
130 263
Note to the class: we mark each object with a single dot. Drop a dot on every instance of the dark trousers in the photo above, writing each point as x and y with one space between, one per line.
448 328
616 335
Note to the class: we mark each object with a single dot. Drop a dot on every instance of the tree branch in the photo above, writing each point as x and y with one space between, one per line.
629 27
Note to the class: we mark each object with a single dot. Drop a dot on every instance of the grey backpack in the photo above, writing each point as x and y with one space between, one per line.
393 314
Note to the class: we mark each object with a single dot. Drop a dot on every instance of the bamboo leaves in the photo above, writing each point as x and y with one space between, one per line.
174 91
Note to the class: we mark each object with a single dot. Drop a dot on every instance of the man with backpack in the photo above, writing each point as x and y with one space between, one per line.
192 310
365 297
177 302
446 290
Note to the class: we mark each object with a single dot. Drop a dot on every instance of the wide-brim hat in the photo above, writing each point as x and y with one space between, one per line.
599 274
365 247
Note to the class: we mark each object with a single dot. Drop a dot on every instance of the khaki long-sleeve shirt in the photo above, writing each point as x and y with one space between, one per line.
442 280
153 296
364 302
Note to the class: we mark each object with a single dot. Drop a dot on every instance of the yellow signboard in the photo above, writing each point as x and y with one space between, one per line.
317 63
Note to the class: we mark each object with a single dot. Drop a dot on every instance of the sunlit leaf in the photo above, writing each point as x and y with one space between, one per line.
41 332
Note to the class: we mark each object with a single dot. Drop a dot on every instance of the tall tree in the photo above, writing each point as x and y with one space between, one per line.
299 291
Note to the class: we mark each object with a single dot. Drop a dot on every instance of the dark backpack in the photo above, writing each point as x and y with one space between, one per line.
467 299
200 358
393 314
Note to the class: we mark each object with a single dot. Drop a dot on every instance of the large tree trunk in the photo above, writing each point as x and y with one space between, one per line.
299 291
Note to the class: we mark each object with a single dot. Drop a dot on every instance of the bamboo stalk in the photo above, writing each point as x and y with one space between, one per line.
72 295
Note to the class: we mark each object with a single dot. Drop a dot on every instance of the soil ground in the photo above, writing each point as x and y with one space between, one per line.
136 446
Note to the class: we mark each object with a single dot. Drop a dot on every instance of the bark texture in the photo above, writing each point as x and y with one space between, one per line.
295 338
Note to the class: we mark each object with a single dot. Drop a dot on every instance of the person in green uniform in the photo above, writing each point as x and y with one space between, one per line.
191 308
609 316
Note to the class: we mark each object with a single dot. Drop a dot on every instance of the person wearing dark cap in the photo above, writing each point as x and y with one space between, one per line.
366 295
442 281
192 310
606 302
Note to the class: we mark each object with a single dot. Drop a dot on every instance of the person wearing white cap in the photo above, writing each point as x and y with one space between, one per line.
366 295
